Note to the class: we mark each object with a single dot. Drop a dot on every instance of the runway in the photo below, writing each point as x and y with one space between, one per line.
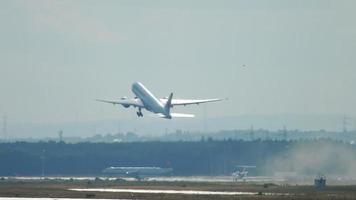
46 189
27 198
187 192
217 179
161 178
301 180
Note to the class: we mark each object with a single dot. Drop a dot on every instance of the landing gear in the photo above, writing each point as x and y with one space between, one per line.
139 113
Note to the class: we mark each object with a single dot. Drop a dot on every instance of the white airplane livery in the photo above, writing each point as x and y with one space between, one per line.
161 107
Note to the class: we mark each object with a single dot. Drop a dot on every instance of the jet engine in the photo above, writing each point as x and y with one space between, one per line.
125 105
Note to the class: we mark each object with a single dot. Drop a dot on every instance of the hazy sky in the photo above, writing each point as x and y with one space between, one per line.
57 56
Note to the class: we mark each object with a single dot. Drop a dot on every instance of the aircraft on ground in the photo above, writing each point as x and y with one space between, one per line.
138 172
241 174
161 107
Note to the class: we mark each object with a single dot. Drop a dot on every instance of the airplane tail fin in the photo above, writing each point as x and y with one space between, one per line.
168 105
168 113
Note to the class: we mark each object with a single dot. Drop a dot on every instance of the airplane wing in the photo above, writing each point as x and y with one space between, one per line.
184 102
125 102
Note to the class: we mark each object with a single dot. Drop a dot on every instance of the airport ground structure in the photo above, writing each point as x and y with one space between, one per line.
191 136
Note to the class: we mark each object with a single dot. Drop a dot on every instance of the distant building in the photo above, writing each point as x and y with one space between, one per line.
320 182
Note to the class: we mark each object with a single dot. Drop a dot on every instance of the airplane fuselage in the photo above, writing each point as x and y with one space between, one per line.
150 102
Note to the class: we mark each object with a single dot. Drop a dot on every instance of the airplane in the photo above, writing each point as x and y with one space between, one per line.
138 172
241 174
161 107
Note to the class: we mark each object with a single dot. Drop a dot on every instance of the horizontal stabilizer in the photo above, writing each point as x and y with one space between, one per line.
246 166
174 115
181 115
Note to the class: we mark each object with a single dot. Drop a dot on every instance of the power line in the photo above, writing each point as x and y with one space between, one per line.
4 127
204 120
252 133
285 133
43 158
60 136
345 123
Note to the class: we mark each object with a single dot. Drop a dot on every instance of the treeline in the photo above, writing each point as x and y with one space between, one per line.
186 158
